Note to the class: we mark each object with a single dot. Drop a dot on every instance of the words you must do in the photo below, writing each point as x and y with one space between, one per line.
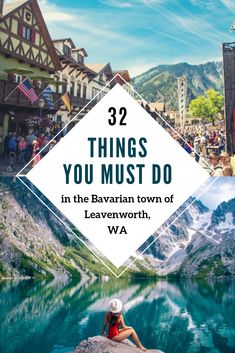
118 147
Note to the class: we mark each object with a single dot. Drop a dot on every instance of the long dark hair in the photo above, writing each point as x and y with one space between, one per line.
113 318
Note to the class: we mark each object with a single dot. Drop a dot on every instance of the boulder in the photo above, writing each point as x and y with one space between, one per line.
101 344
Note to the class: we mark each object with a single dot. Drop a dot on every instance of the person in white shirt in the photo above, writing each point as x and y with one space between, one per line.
214 161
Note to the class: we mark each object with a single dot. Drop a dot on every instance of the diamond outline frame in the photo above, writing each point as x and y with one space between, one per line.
137 256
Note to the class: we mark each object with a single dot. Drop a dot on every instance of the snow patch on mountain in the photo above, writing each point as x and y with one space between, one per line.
199 242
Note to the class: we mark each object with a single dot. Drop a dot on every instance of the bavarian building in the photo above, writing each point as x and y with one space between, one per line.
83 81
26 50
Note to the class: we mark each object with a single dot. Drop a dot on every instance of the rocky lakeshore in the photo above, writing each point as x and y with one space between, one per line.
100 344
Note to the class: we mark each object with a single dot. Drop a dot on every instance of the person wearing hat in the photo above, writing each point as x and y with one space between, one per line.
114 319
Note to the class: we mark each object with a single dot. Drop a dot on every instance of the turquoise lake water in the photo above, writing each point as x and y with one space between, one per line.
182 316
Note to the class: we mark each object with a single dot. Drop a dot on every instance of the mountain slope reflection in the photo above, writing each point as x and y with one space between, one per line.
174 316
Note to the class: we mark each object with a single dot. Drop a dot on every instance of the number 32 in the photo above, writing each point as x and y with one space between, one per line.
113 112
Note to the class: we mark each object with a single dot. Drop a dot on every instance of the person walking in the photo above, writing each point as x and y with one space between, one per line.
21 148
197 149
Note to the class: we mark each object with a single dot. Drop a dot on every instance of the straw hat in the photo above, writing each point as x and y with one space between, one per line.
115 306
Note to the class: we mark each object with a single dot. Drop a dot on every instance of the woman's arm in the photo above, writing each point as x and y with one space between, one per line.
105 325
123 323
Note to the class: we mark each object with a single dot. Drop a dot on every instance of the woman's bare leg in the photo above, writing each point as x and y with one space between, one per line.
129 332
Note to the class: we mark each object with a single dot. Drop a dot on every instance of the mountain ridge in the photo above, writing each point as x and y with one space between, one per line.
201 244
34 243
160 83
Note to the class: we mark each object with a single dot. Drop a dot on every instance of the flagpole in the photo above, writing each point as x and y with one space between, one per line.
58 99
14 90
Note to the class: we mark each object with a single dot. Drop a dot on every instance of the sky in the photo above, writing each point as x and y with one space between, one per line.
223 189
140 34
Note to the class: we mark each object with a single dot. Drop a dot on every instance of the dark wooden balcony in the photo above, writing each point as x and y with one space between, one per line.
17 99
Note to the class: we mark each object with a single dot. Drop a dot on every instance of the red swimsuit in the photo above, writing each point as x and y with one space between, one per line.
113 330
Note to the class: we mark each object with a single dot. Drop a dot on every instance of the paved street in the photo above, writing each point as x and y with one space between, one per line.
6 171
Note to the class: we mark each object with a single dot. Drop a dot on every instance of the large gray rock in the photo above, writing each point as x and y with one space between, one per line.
100 344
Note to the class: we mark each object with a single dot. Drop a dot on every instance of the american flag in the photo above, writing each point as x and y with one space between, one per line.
27 90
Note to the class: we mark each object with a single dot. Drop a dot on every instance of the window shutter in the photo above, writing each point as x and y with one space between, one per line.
20 29
33 35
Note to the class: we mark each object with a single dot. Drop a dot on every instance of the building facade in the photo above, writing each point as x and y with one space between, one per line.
124 79
174 118
82 81
26 50
229 93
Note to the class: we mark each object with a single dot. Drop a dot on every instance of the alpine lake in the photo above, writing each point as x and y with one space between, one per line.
175 316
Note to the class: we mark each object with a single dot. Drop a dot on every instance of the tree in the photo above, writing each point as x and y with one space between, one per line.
208 106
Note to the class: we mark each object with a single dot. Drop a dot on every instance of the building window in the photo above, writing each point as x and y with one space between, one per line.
99 95
93 92
101 78
37 84
58 118
84 88
26 32
67 50
80 59
64 87
17 78
72 89
79 89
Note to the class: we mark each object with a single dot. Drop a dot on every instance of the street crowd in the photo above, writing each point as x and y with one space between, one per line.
203 142
206 142
22 149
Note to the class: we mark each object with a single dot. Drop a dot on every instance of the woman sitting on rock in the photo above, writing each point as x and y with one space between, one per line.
115 319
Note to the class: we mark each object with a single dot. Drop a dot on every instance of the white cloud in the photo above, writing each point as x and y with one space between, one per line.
138 69
103 34
209 4
135 40
132 3
57 16
151 2
197 26
116 3
84 21
230 4
222 190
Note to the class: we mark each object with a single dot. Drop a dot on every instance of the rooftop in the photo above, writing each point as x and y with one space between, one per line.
96 67
158 106
10 6
65 40
124 74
